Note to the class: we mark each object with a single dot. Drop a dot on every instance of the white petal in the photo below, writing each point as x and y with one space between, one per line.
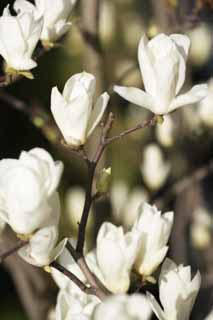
156 307
23 6
53 175
40 251
150 265
183 43
58 250
196 94
166 72
136 96
146 67
97 112
11 48
79 82
71 118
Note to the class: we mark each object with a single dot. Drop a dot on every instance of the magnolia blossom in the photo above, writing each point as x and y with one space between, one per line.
27 191
75 306
123 307
42 248
116 266
177 292
19 36
154 168
55 14
165 132
112 269
205 108
74 110
162 63
153 229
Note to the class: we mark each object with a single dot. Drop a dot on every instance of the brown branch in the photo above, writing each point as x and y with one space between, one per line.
77 281
104 142
148 123
20 244
91 172
91 278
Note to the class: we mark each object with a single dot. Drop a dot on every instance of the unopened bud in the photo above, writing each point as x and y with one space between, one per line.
103 182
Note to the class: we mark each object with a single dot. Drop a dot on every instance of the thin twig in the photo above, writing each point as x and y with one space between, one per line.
103 140
148 123
77 281
86 209
91 278
91 172
20 244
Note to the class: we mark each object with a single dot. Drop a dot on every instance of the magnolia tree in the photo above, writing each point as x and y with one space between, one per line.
104 282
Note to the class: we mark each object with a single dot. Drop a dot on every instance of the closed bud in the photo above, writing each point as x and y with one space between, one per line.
104 180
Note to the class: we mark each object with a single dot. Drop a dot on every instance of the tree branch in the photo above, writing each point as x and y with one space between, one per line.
20 244
91 278
78 282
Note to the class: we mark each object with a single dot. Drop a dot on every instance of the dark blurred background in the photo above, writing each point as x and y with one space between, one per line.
26 122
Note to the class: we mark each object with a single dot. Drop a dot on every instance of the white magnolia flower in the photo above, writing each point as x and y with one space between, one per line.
123 307
205 108
74 110
42 248
154 169
154 230
165 132
19 36
162 63
177 292
55 14
115 254
75 306
27 190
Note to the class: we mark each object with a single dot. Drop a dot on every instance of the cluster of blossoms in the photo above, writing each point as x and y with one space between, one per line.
29 201
45 21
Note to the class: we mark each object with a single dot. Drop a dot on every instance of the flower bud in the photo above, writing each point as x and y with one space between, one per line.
104 180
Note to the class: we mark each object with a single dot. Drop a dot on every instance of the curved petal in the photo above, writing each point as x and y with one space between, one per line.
13 47
146 68
156 307
23 6
196 94
182 42
81 81
150 265
55 169
166 71
71 117
97 112
136 96
41 247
